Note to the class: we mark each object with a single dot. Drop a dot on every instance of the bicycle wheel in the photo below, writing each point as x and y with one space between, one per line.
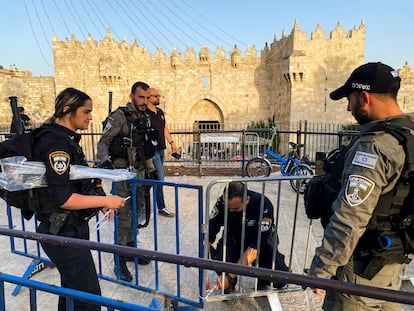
258 167
303 170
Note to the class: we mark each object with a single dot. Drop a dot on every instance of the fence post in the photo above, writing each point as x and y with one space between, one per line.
304 140
243 152
200 150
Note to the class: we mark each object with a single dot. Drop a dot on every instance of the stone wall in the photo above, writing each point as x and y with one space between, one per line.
35 94
288 80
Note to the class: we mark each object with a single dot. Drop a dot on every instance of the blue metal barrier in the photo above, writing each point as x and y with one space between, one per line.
178 294
39 261
181 293
70 294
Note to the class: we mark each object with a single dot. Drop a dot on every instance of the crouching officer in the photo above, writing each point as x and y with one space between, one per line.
240 199
65 205
124 144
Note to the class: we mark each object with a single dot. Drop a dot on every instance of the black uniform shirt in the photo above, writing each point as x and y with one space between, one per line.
58 149
234 227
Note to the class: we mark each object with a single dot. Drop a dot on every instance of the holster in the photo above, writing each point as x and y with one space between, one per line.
57 220
368 267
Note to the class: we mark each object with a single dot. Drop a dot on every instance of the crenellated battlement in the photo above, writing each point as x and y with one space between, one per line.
288 80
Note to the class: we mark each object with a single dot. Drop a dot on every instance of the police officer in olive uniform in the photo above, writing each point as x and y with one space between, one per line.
122 146
350 249
65 206
253 226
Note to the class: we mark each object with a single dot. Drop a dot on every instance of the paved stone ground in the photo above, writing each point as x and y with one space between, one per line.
289 232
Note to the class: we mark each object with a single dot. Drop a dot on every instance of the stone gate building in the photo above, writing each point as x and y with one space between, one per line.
289 80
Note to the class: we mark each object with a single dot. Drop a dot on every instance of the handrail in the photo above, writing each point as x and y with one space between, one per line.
268 274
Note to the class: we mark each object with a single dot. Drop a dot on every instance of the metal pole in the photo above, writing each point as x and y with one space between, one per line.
110 103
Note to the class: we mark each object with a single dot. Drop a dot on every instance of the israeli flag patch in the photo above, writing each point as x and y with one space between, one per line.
364 159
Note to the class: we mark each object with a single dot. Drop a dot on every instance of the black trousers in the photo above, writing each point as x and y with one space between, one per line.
265 255
75 265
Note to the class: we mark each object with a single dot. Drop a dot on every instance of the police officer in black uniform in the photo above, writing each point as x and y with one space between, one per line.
268 244
65 205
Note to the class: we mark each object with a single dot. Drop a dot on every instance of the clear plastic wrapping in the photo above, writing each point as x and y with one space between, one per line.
18 174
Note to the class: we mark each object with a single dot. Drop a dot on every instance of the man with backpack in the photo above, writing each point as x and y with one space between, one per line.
360 243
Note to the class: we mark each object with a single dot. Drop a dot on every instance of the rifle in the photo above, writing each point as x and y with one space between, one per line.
17 125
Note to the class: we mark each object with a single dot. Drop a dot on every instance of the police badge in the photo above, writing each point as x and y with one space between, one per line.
59 161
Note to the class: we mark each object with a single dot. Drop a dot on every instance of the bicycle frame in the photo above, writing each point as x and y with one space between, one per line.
290 165
285 164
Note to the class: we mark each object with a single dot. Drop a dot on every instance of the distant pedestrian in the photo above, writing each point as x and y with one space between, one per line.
158 122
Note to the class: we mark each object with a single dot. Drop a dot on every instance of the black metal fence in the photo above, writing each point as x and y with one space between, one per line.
218 144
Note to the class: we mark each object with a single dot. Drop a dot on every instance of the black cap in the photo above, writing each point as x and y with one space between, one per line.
372 78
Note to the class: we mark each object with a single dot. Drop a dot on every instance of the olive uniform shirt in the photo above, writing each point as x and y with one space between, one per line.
372 168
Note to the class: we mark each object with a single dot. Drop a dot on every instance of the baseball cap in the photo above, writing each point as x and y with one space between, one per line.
370 77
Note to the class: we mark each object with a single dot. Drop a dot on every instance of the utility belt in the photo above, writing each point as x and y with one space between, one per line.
58 220
375 250
369 266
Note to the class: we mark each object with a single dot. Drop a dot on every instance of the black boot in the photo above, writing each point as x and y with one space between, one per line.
124 273
141 260
130 258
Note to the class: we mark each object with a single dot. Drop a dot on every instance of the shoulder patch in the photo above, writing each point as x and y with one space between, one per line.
358 189
214 212
108 125
365 159
266 224
59 161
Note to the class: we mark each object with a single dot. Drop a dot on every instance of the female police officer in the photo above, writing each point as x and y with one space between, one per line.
65 207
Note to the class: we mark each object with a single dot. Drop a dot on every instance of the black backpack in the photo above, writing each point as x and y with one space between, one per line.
322 190
21 145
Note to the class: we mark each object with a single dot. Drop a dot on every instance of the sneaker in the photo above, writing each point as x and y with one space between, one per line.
165 212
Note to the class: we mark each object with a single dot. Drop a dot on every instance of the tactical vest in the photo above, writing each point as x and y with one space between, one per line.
392 223
141 136
389 235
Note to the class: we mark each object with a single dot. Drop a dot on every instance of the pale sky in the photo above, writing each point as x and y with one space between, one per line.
27 26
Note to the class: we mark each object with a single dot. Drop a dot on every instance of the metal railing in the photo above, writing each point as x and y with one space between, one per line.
231 144
286 203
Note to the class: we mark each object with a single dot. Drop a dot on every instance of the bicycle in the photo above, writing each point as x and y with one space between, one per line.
289 166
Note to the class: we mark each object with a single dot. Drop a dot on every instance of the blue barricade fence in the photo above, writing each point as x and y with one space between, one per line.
172 282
